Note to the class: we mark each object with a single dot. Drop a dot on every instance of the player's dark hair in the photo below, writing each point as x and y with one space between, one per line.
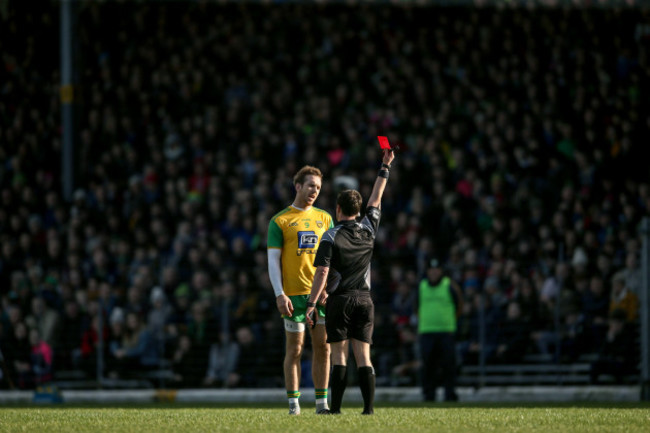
302 174
350 201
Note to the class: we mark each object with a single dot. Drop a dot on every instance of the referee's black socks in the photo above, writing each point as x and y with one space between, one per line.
338 382
367 386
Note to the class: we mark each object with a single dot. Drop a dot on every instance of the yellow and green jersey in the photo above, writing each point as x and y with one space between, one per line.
297 233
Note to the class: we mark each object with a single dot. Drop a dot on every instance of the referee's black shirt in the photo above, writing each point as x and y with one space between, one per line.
347 250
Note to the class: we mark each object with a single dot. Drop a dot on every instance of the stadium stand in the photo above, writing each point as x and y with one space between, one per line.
523 138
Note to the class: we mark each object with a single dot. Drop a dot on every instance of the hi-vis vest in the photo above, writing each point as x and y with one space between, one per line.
437 311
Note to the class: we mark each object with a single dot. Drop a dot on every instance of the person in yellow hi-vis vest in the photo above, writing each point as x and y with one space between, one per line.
293 238
440 303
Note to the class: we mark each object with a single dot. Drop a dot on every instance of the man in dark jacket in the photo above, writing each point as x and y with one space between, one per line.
617 356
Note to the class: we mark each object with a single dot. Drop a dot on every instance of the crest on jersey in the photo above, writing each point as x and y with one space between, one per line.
319 224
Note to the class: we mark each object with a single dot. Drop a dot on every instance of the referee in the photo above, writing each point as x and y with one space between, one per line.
343 261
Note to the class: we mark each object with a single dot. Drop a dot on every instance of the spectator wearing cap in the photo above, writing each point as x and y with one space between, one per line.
159 313
439 306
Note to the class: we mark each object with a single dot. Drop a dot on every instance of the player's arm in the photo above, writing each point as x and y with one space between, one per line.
320 280
382 179
274 258
322 263
324 295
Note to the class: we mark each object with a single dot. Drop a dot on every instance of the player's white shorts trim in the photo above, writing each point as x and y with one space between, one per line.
291 326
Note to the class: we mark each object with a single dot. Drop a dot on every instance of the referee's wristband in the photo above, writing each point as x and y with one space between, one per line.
386 166
311 304
383 173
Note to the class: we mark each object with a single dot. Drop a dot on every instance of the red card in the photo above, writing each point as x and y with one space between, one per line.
383 142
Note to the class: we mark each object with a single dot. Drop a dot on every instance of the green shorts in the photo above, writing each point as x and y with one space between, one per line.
300 308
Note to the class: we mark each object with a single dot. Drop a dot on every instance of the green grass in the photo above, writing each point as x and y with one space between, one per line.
575 417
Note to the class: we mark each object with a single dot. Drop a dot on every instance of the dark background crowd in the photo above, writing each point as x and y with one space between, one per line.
523 166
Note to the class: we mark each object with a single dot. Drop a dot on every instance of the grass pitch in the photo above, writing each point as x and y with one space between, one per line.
574 417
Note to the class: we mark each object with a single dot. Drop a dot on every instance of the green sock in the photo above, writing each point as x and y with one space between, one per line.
293 396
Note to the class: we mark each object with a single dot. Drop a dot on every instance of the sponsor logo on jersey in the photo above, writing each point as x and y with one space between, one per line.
307 239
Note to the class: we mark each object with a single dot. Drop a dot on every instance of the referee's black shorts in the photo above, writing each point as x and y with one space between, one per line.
350 315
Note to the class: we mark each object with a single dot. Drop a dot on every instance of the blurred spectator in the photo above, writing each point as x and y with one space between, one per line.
623 298
632 273
249 368
181 315
469 339
223 361
89 342
272 344
595 309
67 351
186 374
570 337
140 350
617 356
403 305
406 369
116 335
203 331
158 316
6 381
18 357
44 319
41 358
385 340
513 338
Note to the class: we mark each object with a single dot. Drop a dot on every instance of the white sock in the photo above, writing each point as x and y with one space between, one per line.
321 403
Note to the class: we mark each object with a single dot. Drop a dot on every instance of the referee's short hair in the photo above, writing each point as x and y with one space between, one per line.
350 201
302 174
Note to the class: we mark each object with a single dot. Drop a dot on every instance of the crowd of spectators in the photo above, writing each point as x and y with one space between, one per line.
523 138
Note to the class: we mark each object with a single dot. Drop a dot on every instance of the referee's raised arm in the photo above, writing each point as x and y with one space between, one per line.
382 179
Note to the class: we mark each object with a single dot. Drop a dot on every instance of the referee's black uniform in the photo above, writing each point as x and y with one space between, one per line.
343 270
347 250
